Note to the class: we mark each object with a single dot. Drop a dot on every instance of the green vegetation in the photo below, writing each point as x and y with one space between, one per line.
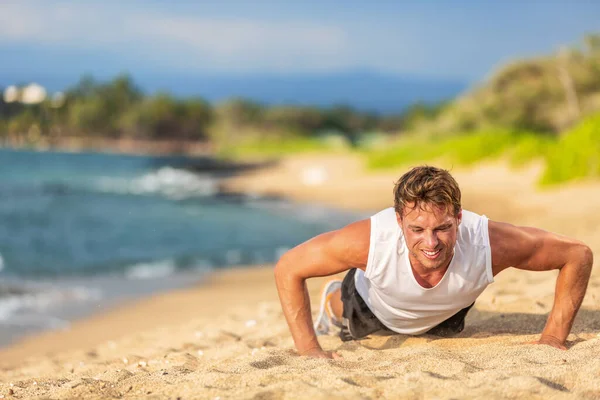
573 155
545 95
576 154
115 109
274 147
463 149
118 109
547 108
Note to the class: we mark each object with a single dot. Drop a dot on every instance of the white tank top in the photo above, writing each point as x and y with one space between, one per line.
391 291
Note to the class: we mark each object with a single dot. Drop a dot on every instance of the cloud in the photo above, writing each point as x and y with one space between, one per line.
228 39
174 40
61 24
422 38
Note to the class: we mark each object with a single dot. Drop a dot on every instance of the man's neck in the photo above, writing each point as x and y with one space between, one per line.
425 277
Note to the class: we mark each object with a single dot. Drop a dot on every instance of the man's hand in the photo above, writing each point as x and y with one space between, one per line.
327 254
533 249
550 341
320 353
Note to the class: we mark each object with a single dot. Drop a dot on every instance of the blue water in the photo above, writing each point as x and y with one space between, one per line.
81 231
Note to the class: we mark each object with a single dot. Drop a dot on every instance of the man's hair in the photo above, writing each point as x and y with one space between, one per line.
426 185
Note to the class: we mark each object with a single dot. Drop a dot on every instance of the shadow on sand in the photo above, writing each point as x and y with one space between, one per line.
486 324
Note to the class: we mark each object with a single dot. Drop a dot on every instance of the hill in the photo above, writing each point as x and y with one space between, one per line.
544 94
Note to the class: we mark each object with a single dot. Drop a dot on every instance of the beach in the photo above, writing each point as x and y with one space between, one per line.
227 337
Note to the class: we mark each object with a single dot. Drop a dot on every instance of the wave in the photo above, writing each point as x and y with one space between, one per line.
26 301
29 304
147 269
176 184
151 270
166 268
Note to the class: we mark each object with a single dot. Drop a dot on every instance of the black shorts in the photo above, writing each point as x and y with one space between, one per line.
360 322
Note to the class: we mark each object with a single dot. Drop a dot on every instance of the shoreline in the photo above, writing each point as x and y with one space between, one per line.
124 317
23 342
227 336
125 146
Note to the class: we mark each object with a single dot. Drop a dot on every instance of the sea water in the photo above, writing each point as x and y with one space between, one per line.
83 231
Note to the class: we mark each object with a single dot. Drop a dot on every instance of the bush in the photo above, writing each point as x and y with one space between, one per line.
463 149
272 147
576 154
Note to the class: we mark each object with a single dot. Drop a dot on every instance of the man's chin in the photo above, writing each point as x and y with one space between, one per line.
432 265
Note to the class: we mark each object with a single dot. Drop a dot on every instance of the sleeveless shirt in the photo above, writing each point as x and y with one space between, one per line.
392 292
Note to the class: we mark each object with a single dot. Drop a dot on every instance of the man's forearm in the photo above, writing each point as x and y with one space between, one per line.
571 286
295 303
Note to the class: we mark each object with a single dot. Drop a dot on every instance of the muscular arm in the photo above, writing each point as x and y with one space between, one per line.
326 254
537 250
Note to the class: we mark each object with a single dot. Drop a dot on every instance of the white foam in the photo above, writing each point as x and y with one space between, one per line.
151 270
171 182
38 299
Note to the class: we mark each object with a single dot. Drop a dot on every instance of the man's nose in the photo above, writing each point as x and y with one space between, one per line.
431 240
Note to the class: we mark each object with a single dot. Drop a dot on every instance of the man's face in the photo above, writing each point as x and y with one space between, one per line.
430 232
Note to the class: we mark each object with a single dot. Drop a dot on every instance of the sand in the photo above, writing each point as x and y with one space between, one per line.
228 338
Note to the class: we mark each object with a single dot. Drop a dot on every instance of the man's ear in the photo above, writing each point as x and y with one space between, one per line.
459 217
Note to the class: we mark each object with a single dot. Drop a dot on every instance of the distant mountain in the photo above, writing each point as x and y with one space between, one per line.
369 91
362 90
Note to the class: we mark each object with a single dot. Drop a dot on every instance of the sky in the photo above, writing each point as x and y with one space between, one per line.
453 40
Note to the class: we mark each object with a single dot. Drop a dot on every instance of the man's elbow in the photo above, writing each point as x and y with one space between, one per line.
587 256
283 269
582 257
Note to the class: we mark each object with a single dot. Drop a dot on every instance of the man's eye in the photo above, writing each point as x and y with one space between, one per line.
417 230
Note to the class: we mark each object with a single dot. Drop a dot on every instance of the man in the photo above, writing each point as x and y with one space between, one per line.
419 266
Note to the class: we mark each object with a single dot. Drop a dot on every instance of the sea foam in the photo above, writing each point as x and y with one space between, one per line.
17 300
177 184
151 270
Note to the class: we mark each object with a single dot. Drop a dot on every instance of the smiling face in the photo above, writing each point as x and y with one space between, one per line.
430 232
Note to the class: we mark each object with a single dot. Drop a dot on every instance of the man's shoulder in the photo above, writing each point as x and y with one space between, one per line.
473 229
359 230
352 242
385 220
471 217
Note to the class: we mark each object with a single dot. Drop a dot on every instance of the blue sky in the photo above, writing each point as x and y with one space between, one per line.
462 40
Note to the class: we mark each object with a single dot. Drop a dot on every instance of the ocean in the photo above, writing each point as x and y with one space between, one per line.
80 232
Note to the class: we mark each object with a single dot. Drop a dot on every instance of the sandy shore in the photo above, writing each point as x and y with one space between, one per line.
228 338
